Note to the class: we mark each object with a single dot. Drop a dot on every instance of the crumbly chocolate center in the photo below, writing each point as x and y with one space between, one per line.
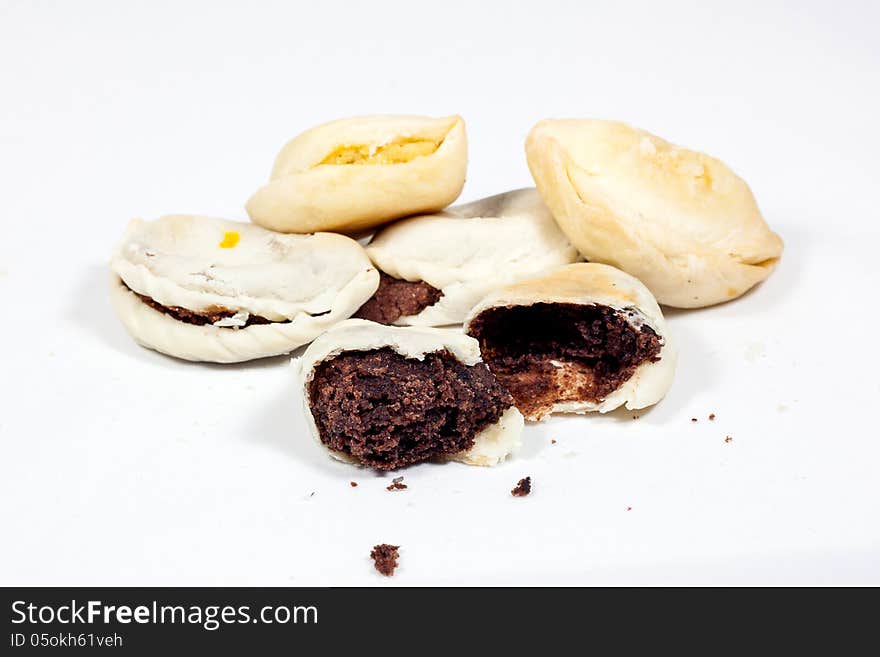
396 298
208 315
387 411
550 353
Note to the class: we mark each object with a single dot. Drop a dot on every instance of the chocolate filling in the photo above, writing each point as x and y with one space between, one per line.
549 353
386 410
208 315
396 298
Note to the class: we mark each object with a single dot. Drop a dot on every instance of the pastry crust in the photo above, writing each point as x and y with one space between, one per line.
602 285
314 188
491 446
301 284
470 249
680 221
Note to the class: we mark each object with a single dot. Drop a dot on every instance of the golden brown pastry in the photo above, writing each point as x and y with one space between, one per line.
353 174
680 221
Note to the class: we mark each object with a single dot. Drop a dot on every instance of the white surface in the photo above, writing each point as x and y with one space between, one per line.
121 466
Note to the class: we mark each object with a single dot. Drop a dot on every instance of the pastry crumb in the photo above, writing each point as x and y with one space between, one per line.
397 484
353 484
384 558
629 508
523 487
711 417
553 441
728 439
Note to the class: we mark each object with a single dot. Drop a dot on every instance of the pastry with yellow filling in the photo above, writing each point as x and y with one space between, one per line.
353 174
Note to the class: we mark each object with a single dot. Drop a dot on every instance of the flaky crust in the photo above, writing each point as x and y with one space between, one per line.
491 446
680 221
470 249
597 284
304 196
303 284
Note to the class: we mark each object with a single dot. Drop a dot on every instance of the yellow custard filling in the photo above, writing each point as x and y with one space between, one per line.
394 152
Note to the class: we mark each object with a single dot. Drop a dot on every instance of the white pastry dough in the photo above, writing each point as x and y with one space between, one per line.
352 174
302 284
491 446
600 285
470 249
680 221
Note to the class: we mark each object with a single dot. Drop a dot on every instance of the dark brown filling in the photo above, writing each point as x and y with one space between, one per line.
208 315
396 298
386 410
549 353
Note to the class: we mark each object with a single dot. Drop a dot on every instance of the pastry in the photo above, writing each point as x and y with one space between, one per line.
353 174
387 396
585 337
436 267
206 289
680 221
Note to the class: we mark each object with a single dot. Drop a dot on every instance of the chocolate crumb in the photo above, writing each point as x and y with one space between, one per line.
629 508
397 484
353 484
384 558
693 419
523 487
711 417
728 439
553 441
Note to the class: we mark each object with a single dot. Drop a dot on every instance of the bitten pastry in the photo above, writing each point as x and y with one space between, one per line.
207 289
586 337
353 174
386 397
680 221
436 267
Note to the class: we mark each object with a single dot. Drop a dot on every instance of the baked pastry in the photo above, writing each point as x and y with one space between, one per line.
208 289
386 397
586 337
680 221
353 174
436 267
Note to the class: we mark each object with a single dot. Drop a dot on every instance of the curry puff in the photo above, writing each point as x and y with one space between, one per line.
206 289
353 174
435 267
388 396
586 337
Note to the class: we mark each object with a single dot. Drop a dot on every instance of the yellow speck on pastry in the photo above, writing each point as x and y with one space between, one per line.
230 239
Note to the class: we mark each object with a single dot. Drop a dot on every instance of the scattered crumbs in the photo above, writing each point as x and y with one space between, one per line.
711 417
728 439
397 484
693 419
353 484
629 508
523 487
385 557
553 441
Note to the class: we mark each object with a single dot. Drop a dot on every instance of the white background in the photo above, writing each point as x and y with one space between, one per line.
121 466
